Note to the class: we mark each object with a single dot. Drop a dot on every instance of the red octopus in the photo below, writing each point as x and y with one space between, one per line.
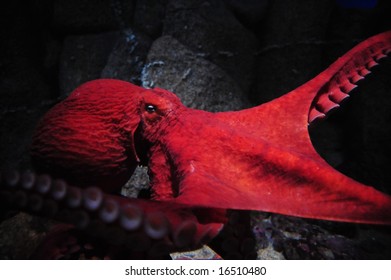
200 164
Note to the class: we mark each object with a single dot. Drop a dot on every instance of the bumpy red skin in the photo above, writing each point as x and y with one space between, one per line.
88 138
256 159
262 158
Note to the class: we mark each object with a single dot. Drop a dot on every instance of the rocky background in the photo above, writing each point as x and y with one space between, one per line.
215 55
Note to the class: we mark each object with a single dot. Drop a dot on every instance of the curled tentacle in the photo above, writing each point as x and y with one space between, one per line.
133 225
347 71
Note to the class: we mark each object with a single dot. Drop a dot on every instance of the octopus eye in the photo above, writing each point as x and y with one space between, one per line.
150 108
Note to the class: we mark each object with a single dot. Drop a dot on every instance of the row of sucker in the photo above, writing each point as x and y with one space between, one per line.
121 222
335 91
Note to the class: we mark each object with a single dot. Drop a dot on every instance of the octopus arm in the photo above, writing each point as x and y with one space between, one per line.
278 169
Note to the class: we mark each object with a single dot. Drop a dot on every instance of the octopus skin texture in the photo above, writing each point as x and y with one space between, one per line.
202 165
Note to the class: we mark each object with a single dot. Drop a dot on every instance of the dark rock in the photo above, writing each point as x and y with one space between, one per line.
343 248
278 243
358 24
20 235
372 246
298 238
149 16
81 16
138 182
326 253
83 58
22 77
25 88
16 129
198 82
290 53
377 241
128 56
232 243
210 29
204 253
119 55
290 250
249 12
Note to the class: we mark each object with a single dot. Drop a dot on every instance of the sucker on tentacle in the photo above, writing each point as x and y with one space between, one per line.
100 215
354 66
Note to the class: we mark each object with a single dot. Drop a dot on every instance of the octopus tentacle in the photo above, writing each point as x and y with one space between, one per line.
350 69
136 224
